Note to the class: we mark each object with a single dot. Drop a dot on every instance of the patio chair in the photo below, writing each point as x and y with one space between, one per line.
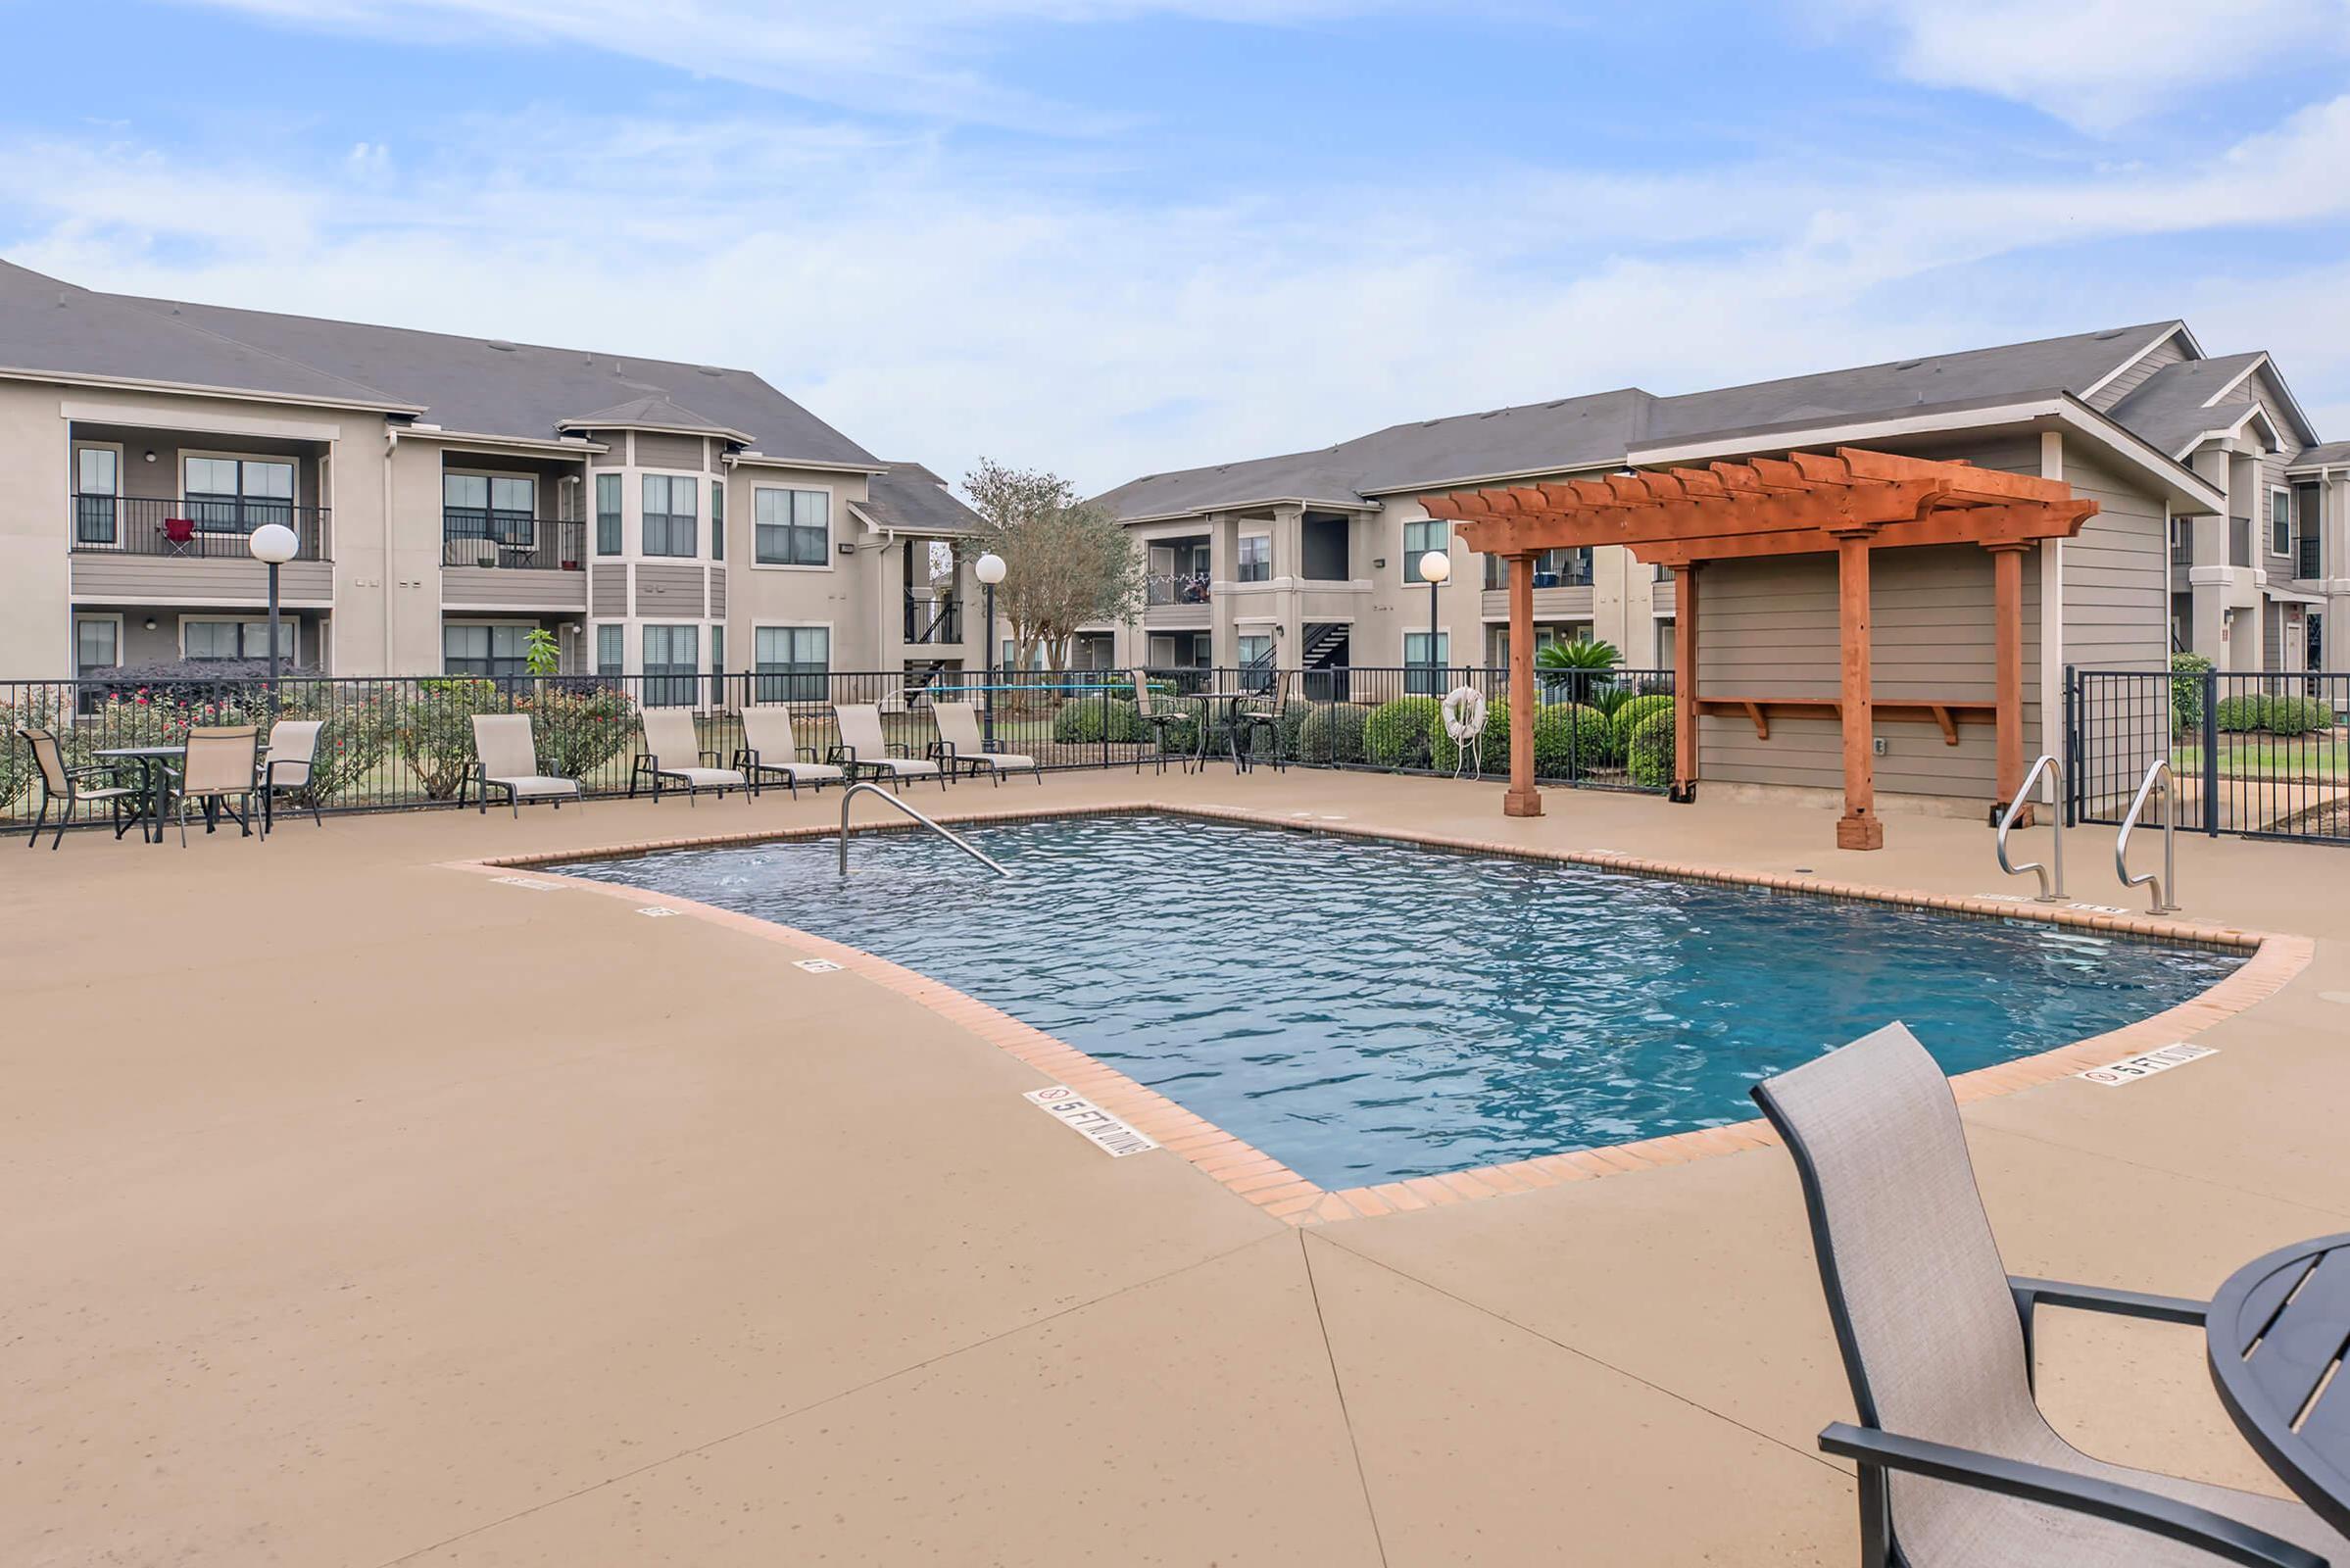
960 745
63 788
293 745
674 756
1958 1467
1265 718
507 758
768 750
223 762
1159 721
863 750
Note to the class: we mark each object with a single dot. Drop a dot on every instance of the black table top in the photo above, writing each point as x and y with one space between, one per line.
2276 1336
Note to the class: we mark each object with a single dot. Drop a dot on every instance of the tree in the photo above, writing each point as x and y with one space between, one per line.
1067 562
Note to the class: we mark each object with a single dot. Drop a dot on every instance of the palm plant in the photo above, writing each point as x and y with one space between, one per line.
1584 666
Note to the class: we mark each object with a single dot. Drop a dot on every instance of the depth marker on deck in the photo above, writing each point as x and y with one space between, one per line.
816 965
533 883
1103 1130
2130 1069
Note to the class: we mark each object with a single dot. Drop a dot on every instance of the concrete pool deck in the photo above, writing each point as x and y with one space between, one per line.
362 1211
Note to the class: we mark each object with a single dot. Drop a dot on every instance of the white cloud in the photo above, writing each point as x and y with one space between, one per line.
2101 64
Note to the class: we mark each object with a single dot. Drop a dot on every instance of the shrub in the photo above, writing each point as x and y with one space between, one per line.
1489 751
1332 733
1651 750
2298 715
1570 740
435 732
2235 715
1628 717
577 726
1090 720
1396 734
2186 691
34 708
1290 728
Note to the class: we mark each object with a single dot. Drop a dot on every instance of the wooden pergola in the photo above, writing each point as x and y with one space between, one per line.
1850 504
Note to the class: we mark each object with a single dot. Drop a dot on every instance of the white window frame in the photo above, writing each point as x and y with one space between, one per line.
2285 522
293 501
531 479
73 450
1410 564
831 641
672 476
487 624
1240 557
831 510
113 616
288 627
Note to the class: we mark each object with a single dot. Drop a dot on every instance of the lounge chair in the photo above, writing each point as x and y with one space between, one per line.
1159 721
770 750
674 757
293 747
961 747
223 763
863 750
63 788
508 761
1958 1467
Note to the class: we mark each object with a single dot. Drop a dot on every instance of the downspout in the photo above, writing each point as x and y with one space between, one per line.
391 439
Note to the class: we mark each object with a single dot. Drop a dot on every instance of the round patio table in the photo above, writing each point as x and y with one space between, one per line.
2276 1336
1232 722
151 761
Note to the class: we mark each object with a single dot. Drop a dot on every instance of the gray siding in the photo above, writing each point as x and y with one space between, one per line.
1663 595
668 592
1549 604
2167 351
2117 573
608 592
656 448
463 586
717 592
617 457
102 577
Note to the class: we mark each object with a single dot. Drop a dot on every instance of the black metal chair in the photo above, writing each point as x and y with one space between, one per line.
1265 720
61 787
1161 722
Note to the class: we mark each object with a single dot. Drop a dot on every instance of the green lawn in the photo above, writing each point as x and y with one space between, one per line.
2319 758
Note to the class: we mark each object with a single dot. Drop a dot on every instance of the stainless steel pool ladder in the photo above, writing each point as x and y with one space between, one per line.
2052 888
2167 884
866 787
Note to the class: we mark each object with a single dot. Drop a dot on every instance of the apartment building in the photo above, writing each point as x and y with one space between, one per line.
450 495
2238 545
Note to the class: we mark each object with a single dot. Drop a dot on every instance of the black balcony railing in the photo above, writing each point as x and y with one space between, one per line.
192 525
2239 541
473 537
1552 568
934 621
2308 566
1176 588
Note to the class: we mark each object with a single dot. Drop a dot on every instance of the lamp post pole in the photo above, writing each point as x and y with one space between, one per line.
273 543
1436 567
990 571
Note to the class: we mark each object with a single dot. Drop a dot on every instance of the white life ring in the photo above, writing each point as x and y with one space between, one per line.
1464 714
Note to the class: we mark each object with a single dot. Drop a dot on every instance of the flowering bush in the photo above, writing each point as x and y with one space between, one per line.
578 725
434 732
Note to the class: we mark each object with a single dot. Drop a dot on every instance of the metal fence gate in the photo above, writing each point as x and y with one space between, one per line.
2262 755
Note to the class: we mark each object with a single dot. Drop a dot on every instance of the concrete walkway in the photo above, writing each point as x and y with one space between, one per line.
362 1211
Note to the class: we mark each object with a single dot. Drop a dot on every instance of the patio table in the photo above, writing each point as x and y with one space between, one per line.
2276 1336
152 760
1232 701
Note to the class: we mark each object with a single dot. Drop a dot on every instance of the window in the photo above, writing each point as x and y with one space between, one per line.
493 651
1418 539
1255 650
234 639
794 527
1256 556
1420 680
672 664
669 515
717 519
497 507
611 651
97 483
718 653
237 495
608 515
97 644
793 663
2280 521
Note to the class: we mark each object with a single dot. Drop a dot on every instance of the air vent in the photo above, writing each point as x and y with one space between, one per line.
501 345
2108 335
710 369
1909 364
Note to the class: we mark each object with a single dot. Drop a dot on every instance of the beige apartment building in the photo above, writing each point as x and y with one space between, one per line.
450 495
2237 543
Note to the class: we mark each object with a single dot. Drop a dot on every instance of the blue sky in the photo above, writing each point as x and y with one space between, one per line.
1114 236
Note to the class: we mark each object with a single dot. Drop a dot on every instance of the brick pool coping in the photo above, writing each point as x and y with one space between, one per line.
1281 1192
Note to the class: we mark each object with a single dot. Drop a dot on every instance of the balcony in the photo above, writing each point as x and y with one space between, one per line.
2308 566
1175 588
2239 541
1552 568
511 541
183 528
934 621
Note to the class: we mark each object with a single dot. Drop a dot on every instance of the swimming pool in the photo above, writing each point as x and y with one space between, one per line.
1366 1011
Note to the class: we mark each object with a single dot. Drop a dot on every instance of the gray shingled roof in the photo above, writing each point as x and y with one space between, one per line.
470 384
52 326
656 412
2169 408
1587 431
910 498
2333 451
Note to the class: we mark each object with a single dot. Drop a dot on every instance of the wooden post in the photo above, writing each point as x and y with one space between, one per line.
1858 828
1684 685
2007 599
1523 798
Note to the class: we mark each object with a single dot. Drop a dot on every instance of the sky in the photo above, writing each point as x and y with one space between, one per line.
1113 238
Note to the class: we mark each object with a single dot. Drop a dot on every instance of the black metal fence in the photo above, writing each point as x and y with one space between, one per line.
473 536
200 526
399 744
2266 756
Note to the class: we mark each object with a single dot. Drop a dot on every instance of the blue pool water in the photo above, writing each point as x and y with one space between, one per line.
1366 1011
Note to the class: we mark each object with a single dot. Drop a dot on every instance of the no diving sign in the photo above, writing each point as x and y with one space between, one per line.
1108 1134
2130 1069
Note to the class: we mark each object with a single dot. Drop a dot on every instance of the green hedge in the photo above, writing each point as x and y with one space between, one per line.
2186 692
1628 718
1396 734
1445 755
1650 751
1332 733
2279 716
1090 720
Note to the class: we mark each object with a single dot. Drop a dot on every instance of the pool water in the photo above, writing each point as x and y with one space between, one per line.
1366 1011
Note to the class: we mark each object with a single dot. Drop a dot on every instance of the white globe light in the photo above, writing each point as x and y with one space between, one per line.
989 568
274 543
1436 565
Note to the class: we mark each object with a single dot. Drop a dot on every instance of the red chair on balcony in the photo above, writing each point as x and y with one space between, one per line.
180 534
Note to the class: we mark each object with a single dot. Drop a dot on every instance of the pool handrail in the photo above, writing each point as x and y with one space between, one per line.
2157 771
2051 892
868 787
